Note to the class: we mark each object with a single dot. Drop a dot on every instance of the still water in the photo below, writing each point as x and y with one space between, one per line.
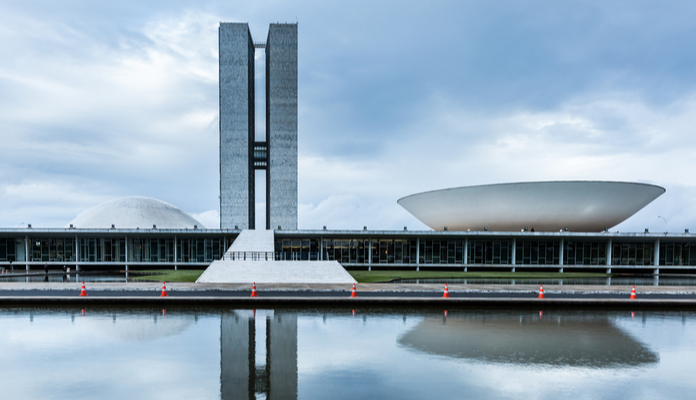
609 281
88 277
316 354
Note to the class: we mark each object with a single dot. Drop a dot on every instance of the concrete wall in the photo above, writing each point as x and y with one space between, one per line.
281 126
236 50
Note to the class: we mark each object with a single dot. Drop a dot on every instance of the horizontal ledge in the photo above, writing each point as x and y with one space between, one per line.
363 302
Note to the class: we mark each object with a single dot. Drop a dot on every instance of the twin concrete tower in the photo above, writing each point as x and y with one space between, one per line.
240 153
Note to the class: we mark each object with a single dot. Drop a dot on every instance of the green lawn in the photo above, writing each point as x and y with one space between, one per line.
386 276
184 275
166 275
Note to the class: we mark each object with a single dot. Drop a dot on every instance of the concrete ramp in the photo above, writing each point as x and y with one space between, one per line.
250 258
253 241
276 272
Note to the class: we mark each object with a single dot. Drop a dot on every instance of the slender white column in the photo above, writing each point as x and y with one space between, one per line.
26 251
418 250
560 254
77 253
466 251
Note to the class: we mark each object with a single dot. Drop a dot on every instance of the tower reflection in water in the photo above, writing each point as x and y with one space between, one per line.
240 377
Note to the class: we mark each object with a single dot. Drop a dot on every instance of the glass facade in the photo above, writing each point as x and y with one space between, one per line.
200 250
51 249
298 249
584 253
533 252
107 250
354 251
636 253
8 249
678 254
489 252
102 250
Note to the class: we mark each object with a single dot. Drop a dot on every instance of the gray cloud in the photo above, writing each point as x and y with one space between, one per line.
108 100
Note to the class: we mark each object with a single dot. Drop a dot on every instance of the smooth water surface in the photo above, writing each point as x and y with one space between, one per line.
386 354
615 281
73 277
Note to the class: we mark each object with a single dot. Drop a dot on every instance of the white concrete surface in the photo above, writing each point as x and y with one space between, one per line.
135 212
580 206
329 272
253 241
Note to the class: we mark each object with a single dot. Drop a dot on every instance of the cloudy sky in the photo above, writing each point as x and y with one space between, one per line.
100 100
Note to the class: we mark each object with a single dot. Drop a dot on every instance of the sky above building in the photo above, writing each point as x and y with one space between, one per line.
100 100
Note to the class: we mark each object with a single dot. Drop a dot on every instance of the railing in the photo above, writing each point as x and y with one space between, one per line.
271 256
303 256
249 256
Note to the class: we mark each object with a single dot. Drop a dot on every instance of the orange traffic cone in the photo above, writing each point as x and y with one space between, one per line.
353 313
354 293
445 313
633 294
83 311
253 290
164 290
446 294
541 291
541 314
83 292
633 314
164 312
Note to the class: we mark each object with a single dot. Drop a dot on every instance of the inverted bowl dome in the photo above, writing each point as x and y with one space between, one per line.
580 206
135 212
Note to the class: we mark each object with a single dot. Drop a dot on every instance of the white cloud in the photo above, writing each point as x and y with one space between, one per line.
602 137
90 114
210 219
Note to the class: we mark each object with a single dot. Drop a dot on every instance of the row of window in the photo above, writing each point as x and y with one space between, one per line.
495 252
677 254
114 250
8 249
354 251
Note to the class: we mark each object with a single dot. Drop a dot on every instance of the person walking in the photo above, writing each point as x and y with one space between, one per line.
46 268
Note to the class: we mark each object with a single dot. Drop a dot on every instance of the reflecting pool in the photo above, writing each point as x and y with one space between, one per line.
73 277
609 281
116 353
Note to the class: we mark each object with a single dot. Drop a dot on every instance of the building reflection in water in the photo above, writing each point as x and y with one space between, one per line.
240 377
555 339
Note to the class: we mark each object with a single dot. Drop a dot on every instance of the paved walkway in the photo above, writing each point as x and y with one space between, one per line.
147 294
403 289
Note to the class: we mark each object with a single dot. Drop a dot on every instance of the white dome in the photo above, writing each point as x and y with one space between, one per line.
135 212
580 206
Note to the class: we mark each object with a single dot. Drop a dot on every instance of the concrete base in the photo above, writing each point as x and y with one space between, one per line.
275 272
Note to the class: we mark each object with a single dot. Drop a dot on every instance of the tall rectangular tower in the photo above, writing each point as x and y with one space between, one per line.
281 126
240 154
236 52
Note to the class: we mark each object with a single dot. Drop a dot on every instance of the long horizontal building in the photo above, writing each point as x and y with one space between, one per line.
361 249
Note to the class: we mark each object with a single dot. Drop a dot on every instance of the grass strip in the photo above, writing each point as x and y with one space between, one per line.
387 276
165 275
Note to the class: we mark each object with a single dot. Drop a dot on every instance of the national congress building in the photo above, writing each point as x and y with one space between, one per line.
539 225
